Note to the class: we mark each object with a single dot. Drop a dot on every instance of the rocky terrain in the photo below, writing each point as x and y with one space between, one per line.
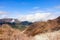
43 27
48 36
42 30
8 33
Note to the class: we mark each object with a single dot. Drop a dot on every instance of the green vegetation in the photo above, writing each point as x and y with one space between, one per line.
18 26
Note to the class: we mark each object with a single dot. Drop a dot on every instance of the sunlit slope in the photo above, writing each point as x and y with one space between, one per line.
8 33
43 27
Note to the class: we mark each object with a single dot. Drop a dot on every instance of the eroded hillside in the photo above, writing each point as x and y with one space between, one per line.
43 27
8 33
45 30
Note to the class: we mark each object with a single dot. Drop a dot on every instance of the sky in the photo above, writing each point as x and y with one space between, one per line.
30 10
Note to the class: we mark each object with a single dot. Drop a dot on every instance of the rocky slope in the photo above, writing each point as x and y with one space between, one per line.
48 36
49 30
43 27
8 33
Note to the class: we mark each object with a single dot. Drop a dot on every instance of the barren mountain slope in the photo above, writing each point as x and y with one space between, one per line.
43 27
8 33
48 36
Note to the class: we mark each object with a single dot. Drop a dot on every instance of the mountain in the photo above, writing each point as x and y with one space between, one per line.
36 31
8 33
15 23
43 27
9 20
25 23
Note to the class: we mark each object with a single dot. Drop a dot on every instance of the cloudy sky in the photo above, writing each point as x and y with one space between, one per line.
30 10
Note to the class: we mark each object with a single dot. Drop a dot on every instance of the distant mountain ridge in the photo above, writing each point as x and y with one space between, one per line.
15 23
11 20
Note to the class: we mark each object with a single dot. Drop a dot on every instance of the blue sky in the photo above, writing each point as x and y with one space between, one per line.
18 8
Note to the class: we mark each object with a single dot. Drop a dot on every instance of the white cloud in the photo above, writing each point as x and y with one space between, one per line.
36 17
